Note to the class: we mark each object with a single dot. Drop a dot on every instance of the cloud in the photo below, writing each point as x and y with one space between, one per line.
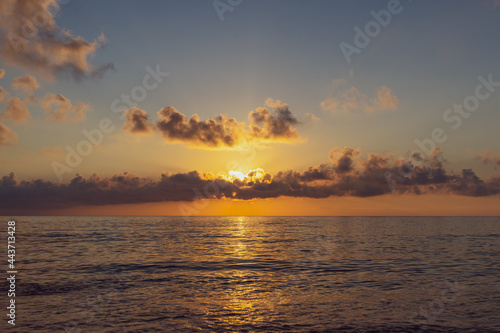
31 39
28 84
489 158
3 93
219 132
311 116
52 152
342 81
276 104
225 132
491 4
17 111
137 122
343 160
275 126
2 73
353 100
7 136
58 108
347 175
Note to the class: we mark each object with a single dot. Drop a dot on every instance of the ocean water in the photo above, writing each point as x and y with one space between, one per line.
257 274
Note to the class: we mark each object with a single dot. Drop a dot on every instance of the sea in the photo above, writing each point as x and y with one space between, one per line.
254 274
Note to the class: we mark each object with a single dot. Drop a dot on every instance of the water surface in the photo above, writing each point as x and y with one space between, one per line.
258 274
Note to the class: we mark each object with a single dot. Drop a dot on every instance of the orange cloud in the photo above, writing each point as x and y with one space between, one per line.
489 158
60 109
2 73
52 153
33 40
353 100
3 94
17 111
7 136
225 132
136 122
27 84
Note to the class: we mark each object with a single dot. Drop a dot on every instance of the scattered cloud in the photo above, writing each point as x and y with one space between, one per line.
353 100
342 81
277 126
491 4
347 174
276 104
343 160
312 116
31 39
17 111
489 158
28 84
214 133
52 152
2 73
7 136
136 122
3 93
58 108
225 132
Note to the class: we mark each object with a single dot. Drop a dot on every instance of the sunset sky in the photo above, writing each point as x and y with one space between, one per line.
261 107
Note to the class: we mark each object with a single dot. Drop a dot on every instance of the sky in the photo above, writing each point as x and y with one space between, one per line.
249 107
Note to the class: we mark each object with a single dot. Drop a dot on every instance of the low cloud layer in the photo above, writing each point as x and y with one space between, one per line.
347 174
31 39
264 125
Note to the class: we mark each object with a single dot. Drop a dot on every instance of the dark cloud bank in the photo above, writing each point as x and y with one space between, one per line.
345 175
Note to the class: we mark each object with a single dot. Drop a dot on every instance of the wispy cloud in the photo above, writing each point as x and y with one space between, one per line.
28 84
492 4
352 100
7 136
16 111
489 158
58 108
52 152
3 94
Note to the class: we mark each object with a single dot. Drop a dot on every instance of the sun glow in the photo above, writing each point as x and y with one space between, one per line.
253 175
236 175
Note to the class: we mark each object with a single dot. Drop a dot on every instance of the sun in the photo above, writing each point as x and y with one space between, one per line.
236 175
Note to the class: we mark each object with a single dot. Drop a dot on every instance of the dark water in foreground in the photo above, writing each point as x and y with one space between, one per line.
256 274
